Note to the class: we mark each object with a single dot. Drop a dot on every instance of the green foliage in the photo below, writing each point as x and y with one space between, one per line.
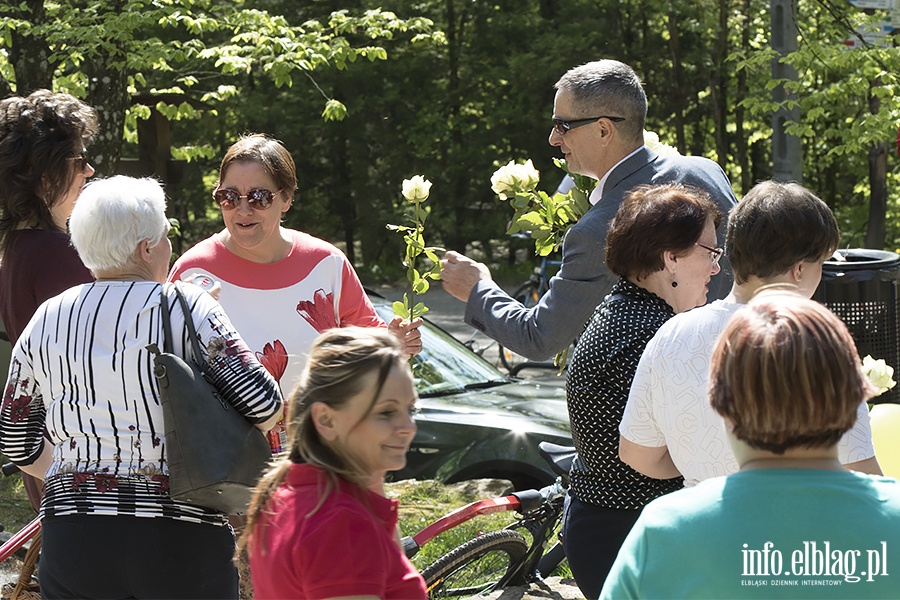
468 86
15 509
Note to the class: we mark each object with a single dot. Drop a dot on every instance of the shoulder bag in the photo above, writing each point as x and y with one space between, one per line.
215 456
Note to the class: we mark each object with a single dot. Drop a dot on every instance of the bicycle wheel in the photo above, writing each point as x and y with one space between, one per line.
528 295
476 566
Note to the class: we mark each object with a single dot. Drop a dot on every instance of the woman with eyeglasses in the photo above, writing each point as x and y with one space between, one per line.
661 245
279 286
43 167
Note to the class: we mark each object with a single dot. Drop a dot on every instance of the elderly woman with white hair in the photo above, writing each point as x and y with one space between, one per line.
82 411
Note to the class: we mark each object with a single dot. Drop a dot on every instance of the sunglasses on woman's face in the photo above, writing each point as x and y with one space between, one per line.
257 198
81 162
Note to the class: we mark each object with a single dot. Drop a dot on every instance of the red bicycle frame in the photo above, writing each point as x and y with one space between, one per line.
19 539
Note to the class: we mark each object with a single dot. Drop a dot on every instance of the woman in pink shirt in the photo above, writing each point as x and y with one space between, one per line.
280 287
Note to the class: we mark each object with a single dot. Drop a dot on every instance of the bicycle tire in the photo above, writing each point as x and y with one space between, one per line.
475 566
528 295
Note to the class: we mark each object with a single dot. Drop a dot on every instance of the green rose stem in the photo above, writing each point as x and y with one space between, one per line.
416 192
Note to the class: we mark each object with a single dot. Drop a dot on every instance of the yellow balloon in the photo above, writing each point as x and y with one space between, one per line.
886 437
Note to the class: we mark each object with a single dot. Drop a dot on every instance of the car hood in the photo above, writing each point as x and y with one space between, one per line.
513 405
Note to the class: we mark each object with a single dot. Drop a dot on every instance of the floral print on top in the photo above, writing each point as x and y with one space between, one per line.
81 378
280 308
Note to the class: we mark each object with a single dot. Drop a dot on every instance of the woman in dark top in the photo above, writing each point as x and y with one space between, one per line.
43 167
661 244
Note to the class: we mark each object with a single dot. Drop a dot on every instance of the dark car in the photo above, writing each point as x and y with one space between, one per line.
474 420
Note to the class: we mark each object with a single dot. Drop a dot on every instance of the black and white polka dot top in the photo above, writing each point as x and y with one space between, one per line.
597 386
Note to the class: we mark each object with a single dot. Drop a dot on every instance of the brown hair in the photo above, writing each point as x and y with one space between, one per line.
38 136
268 152
786 374
336 370
774 227
654 219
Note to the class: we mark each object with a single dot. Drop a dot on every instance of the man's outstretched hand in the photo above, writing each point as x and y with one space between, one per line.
459 274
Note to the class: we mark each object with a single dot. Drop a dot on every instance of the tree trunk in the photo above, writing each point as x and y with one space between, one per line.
878 153
677 81
108 95
719 86
875 229
458 180
742 149
30 56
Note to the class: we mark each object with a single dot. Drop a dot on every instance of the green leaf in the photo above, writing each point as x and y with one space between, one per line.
334 110
400 308
418 310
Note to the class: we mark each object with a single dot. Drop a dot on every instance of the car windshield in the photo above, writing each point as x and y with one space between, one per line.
445 366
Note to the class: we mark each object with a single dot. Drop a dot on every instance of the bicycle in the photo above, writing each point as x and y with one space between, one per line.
505 557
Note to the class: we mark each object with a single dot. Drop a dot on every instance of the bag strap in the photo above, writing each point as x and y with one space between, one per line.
188 321
166 318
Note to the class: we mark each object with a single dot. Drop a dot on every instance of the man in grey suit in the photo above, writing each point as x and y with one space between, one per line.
598 123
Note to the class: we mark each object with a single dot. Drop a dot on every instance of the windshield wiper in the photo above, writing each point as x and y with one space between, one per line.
481 385
449 391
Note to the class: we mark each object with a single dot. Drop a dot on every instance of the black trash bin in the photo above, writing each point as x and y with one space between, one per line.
863 292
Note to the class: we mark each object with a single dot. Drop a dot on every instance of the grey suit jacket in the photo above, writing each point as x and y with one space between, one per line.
583 279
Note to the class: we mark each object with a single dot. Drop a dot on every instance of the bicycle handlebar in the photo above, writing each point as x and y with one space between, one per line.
9 469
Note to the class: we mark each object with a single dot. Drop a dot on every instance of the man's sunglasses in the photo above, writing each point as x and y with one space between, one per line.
257 198
562 126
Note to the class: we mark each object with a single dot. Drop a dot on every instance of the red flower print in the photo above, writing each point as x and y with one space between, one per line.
78 479
105 483
232 348
320 312
20 409
163 481
274 358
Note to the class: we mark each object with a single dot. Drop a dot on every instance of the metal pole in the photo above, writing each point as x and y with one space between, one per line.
787 150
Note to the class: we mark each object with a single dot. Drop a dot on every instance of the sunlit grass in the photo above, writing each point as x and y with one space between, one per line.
423 502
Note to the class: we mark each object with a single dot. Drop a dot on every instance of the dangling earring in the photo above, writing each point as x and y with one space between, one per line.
674 283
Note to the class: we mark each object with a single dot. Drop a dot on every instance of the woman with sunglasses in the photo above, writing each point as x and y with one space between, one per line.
279 286
42 170
662 245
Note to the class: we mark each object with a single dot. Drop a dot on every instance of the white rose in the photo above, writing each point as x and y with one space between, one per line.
879 373
512 178
651 140
416 189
